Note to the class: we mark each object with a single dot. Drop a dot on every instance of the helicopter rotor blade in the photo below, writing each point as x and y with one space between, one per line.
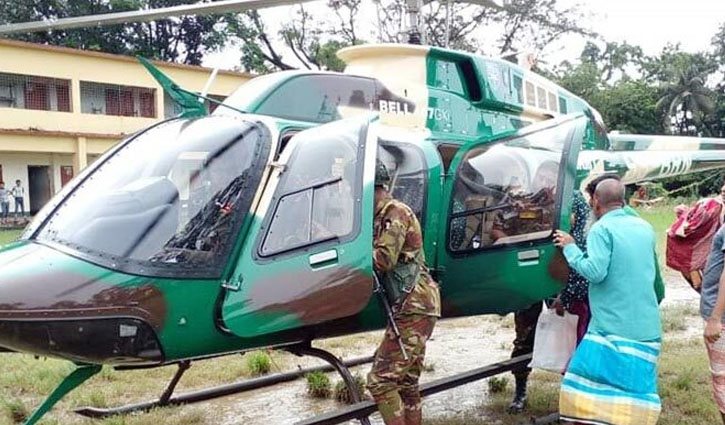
224 6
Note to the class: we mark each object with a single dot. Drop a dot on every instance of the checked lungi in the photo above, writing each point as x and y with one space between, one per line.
611 381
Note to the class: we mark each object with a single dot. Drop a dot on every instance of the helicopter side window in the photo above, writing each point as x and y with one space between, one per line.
407 168
506 193
316 195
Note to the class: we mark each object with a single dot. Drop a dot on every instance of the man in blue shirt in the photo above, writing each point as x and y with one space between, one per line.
625 330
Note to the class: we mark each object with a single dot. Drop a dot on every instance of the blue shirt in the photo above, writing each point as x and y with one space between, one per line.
711 276
620 268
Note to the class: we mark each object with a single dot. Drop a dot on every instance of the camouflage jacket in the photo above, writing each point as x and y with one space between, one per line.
397 237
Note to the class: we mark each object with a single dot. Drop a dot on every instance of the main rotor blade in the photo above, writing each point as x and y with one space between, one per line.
146 15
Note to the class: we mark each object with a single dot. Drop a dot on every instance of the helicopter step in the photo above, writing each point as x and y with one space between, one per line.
368 407
166 398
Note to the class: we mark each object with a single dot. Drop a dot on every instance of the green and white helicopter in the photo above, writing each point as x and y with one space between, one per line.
211 234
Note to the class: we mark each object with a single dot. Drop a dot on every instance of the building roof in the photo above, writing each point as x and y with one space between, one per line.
111 56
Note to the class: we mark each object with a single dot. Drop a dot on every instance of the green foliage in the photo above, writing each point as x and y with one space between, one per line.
667 93
497 384
695 185
342 393
318 385
16 411
259 363
184 39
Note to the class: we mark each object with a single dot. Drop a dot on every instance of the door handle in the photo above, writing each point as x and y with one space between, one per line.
528 257
323 258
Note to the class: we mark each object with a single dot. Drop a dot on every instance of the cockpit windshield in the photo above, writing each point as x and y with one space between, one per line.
172 198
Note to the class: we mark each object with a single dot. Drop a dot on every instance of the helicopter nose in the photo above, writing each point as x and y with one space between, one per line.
53 304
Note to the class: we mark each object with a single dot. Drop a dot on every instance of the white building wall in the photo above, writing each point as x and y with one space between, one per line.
15 167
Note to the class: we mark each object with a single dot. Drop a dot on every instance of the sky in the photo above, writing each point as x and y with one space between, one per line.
650 24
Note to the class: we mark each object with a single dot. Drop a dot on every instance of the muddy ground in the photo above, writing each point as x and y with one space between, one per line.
457 345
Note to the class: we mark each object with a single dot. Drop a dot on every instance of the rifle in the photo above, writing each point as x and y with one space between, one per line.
382 294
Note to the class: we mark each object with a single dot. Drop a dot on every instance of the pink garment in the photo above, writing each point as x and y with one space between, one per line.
581 309
716 354
690 236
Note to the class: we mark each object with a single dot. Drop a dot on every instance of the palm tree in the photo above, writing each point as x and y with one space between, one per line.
687 101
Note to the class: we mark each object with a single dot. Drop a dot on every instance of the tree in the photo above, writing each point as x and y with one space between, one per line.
630 106
523 24
613 58
185 39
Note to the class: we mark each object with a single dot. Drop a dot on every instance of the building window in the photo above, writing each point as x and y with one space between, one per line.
112 99
66 174
31 92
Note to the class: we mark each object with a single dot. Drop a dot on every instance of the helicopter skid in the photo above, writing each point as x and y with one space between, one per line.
210 393
368 407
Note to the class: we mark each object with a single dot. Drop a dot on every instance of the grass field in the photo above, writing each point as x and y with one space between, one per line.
7 236
24 381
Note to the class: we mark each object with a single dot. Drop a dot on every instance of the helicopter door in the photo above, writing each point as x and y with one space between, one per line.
308 260
505 198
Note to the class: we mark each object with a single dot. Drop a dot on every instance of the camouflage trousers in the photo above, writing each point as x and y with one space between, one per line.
393 381
525 321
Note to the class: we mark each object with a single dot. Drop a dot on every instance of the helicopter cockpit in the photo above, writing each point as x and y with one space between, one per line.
167 201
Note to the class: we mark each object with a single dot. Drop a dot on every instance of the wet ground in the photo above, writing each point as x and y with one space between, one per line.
457 345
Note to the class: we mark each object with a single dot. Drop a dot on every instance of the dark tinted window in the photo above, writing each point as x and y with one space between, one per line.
318 98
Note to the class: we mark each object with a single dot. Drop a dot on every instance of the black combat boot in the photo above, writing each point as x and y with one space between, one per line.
518 404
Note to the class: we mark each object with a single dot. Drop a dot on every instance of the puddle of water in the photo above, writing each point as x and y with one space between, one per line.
456 346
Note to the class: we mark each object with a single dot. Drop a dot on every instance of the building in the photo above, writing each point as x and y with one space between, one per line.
61 108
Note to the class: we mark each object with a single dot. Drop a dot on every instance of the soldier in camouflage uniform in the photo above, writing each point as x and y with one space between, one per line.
398 244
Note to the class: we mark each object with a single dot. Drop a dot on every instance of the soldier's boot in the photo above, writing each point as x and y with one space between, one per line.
413 409
518 404
391 408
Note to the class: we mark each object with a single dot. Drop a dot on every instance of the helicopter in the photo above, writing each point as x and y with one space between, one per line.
213 234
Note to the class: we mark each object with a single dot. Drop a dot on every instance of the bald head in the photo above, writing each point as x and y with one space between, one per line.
609 195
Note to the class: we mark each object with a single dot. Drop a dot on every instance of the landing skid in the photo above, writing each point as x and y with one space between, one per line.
367 408
167 398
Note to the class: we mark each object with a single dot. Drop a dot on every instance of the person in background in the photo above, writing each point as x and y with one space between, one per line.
574 297
4 203
18 192
612 377
712 310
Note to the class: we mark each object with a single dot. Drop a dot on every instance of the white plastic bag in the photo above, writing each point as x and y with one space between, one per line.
555 341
